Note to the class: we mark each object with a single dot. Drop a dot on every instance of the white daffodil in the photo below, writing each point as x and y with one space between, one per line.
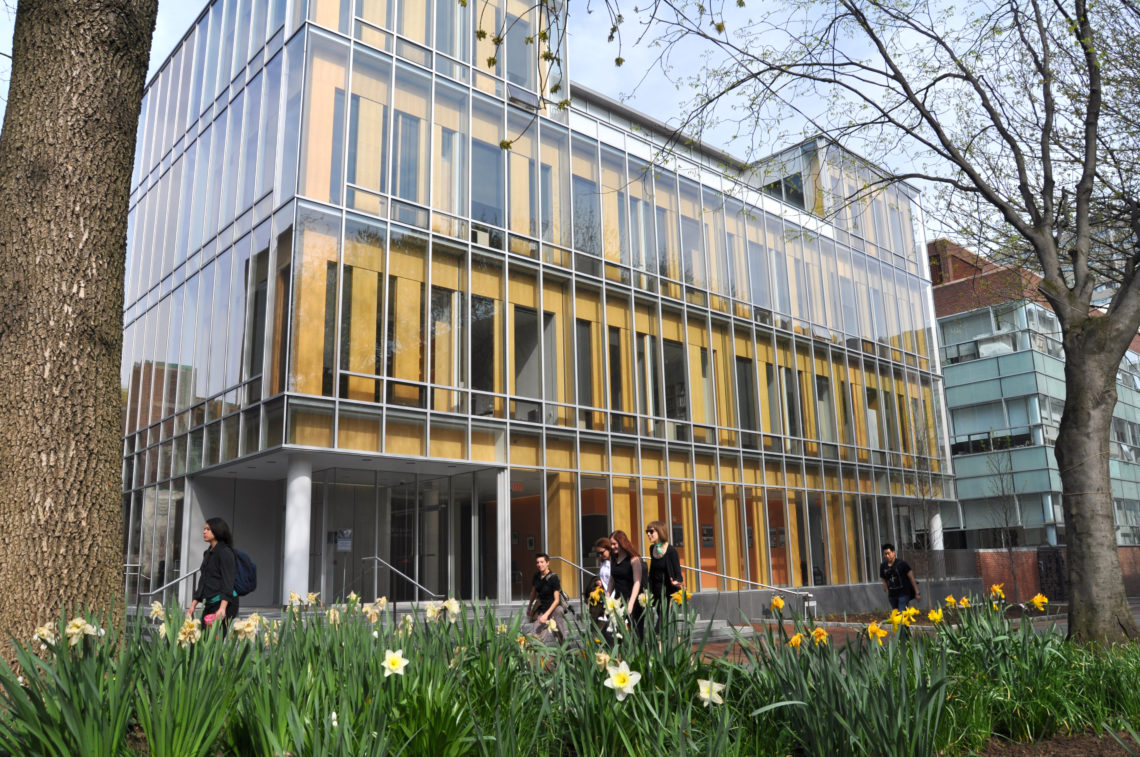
615 606
332 719
551 625
190 632
156 611
77 628
312 598
622 680
709 692
45 634
453 609
294 599
162 630
375 634
394 662
381 603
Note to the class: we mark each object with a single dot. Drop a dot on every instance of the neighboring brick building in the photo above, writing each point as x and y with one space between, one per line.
1005 391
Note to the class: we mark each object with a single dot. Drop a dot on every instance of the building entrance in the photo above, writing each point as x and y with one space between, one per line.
405 536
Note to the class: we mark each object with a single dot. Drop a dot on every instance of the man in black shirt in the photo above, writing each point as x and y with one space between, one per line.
898 579
546 601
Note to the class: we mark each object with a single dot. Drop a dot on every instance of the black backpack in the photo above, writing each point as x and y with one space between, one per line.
245 579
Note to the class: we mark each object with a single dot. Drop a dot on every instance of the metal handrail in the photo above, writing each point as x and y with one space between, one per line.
781 589
575 565
404 576
168 584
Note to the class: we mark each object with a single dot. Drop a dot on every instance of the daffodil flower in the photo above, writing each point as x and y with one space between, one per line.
964 602
950 601
602 659
996 591
680 596
156 611
709 692
819 636
935 616
1039 601
622 680
453 609
777 604
394 662
876 632
796 640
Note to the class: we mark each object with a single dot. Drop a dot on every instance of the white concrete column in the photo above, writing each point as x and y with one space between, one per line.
936 542
298 517
503 543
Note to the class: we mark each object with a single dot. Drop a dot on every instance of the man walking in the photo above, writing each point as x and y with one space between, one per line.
546 601
898 579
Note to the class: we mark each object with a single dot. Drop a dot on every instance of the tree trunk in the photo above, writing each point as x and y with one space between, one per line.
1098 608
66 155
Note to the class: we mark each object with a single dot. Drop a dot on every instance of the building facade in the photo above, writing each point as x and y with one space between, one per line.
403 321
1005 390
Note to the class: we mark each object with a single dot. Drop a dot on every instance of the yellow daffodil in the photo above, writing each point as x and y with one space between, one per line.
353 598
156 611
796 640
294 599
819 636
680 596
501 628
709 692
381 603
876 632
312 598
950 601
246 628
334 616
964 602
777 604
1039 601
896 619
622 680
935 616
394 662
994 605
521 640
912 612
997 591
596 596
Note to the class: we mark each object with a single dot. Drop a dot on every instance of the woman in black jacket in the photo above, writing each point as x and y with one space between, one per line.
215 589
664 572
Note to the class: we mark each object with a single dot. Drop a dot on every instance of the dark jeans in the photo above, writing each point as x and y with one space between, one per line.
900 602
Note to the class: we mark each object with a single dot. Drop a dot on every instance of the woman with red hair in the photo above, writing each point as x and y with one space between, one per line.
626 575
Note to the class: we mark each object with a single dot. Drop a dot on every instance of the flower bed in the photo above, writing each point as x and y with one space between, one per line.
356 679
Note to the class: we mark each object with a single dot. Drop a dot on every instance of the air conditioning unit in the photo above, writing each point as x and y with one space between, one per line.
481 237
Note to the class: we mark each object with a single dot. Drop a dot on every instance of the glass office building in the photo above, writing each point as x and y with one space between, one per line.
392 309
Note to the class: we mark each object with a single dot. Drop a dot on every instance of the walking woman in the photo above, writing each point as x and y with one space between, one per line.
664 568
626 576
215 590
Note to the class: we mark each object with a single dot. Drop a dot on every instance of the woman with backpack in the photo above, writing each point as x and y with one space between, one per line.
215 589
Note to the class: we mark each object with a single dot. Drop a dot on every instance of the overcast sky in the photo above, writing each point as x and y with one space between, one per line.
590 59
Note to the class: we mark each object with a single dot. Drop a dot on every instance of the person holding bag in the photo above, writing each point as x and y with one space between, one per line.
215 589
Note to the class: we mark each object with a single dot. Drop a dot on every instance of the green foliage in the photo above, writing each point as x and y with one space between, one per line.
77 698
358 680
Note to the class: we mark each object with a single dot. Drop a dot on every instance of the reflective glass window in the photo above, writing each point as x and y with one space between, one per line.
368 131
322 136
410 135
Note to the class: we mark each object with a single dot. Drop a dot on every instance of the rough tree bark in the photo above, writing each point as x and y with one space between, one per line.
1096 591
66 154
